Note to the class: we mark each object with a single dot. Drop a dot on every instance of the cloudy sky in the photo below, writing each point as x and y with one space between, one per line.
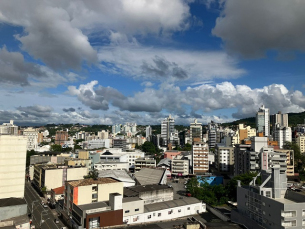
117 61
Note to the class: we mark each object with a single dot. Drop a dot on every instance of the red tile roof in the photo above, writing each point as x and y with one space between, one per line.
59 190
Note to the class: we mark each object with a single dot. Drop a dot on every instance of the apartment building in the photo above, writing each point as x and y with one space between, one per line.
200 153
282 134
269 205
9 128
86 191
55 175
108 165
167 130
196 131
212 134
144 162
61 137
12 165
263 121
180 166
278 119
32 136
224 159
300 140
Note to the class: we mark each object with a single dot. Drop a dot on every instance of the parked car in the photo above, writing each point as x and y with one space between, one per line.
56 221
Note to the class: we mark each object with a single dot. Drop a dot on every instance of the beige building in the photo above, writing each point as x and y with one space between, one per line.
180 165
245 132
88 191
200 158
196 131
12 166
32 136
300 140
289 160
53 176
144 162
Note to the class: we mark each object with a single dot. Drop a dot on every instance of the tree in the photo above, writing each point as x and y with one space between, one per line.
187 147
56 148
92 174
149 148
231 186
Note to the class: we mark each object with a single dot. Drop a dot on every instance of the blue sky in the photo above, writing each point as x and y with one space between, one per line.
108 62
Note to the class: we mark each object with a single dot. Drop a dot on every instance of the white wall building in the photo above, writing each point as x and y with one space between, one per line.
263 121
9 128
282 135
12 166
133 213
111 166
32 136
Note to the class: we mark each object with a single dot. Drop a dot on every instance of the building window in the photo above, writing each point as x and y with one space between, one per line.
179 210
137 209
159 214
268 193
188 208
149 217
127 211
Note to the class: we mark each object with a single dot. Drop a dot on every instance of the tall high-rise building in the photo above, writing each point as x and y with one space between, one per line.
167 130
196 131
282 134
279 118
12 166
212 134
200 158
263 121
61 137
148 132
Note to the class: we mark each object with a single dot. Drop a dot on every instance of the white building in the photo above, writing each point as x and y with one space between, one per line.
107 165
97 143
282 135
263 121
103 134
135 212
167 129
32 136
280 119
9 128
12 166
148 132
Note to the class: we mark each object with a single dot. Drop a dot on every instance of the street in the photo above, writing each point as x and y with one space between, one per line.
39 212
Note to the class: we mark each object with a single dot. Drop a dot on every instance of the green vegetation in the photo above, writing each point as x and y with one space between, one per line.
218 194
150 149
92 174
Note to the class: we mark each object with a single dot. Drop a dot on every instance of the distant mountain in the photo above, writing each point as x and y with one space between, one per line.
293 120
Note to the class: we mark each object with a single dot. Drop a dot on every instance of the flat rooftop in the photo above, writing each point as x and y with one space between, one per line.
130 199
90 181
170 204
96 205
12 202
135 190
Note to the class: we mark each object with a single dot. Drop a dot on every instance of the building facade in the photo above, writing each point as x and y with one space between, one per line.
167 130
200 158
263 121
196 131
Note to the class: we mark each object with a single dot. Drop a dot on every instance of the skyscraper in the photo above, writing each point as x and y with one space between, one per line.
167 129
196 131
263 121
148 133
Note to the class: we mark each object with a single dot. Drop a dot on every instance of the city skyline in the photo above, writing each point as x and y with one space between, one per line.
108 62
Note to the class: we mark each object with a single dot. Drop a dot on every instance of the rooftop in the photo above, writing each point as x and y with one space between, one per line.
11 202
130 199
148 176
90 181
135 190
170 204
90 206
59 190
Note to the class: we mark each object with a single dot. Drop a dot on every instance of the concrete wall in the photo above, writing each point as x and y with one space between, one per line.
165 214
105 189
129 207
84 195
156 196
53 178
76 173
12 165
12 211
